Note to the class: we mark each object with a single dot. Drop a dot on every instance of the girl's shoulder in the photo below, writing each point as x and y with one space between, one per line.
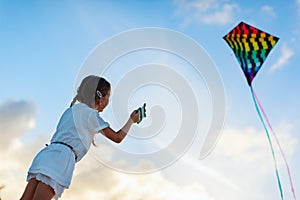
82 108
80 105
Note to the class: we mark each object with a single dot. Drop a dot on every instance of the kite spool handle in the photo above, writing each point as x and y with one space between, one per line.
142 111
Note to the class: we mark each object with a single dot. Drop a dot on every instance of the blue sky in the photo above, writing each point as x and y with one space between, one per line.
44 43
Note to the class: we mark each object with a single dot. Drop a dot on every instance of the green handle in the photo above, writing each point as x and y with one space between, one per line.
142 111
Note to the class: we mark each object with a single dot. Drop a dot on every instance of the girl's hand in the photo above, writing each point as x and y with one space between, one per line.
135 116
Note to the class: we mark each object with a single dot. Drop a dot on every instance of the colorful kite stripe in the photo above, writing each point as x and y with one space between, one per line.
251 47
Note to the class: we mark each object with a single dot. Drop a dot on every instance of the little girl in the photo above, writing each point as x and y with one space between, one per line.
52 168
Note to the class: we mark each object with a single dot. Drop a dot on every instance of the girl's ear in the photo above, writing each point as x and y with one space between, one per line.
97 103
100 102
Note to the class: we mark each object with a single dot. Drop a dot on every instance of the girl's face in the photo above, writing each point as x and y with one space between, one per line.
103 102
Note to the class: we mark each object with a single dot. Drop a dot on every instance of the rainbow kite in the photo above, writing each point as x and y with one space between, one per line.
251 47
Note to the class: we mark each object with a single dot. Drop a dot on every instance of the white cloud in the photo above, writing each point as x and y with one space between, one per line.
245 157
286 54
268 10
16 117
241 159
251 146
207 12
98 182
223 16
90 181
242 156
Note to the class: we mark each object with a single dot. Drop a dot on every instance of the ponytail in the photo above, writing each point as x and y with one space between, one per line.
74 100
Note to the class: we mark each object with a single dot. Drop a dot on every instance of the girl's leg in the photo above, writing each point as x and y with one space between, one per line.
43 192
30 189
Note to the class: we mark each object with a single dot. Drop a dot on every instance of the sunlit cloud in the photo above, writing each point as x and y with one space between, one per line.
251 147
99 182
286 54
16 118
206 12
241 159
245 157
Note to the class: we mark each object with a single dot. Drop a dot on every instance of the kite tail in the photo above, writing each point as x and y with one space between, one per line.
277 141
270 142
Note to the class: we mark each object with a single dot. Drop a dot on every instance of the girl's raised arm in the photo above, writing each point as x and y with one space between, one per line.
120 135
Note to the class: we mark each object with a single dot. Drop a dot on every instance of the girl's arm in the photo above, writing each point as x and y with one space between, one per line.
120 135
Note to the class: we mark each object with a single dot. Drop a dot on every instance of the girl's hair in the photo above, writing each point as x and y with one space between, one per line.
91 89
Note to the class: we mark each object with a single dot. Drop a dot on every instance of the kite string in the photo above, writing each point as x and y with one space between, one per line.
278 143
270 142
